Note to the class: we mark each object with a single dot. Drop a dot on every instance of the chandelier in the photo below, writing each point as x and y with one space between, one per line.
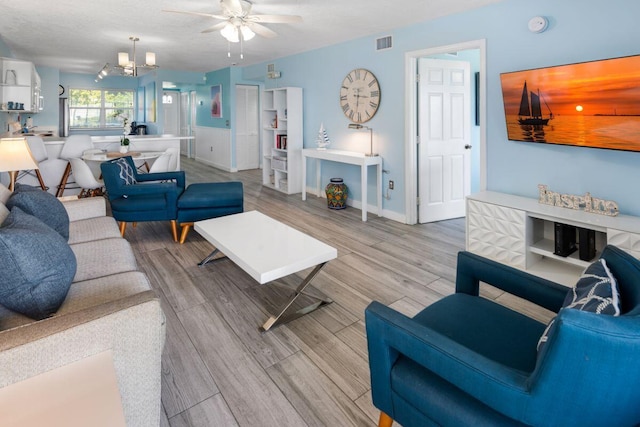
128 67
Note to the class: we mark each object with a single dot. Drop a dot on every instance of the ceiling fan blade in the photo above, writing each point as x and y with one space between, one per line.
261 30
208 15
214 28
275 19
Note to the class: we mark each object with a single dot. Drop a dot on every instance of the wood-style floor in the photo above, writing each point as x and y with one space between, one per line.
219 370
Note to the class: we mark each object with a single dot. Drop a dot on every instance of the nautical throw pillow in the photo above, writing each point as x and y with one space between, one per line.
127 174
44 206
37 266
596 292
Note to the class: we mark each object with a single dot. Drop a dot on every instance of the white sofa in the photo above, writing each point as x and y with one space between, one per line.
110 306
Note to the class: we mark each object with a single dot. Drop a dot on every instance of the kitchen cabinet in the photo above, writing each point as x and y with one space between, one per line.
20 85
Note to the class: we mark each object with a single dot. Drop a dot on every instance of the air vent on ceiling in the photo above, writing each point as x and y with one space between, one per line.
384 43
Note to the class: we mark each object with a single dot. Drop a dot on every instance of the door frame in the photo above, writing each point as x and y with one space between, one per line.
411 119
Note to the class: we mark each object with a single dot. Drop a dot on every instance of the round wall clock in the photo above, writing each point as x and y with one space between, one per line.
360 95
60 90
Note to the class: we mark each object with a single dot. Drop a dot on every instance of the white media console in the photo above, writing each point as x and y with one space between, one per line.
519 231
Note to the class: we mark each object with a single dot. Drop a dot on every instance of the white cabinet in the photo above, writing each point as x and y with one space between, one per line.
282 139
519 232
20 86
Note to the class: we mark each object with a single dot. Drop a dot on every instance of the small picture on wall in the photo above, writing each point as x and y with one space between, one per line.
216 101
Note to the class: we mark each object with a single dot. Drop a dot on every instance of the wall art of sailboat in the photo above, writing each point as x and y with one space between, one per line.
531 114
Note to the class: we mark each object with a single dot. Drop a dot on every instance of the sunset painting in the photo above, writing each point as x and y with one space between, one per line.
591 104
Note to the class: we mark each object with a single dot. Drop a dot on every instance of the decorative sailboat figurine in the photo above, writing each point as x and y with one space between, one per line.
532 115
323 139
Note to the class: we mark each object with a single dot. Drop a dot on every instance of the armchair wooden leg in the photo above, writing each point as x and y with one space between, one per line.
185 230
174 230
385 420
123 227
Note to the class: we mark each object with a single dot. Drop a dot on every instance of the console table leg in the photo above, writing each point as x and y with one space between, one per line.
280 318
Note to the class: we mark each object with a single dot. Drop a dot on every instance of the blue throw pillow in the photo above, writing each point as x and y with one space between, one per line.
44 206
127 174
596 292
37 266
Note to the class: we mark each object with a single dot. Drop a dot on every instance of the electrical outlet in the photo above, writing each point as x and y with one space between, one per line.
390 185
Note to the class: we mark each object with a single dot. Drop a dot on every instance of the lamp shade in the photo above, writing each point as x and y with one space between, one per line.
123 59
150 58
15 155
247 33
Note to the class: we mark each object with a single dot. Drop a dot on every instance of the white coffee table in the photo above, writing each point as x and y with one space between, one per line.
267 250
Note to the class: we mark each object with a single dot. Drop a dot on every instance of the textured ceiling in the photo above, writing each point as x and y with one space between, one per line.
82 35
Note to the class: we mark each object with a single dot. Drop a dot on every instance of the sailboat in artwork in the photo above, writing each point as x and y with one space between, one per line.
531 114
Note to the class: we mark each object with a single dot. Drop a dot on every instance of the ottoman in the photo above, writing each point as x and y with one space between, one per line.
208 200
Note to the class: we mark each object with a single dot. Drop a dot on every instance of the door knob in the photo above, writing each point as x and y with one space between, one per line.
467 147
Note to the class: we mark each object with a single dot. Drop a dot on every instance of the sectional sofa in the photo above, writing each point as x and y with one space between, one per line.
109 304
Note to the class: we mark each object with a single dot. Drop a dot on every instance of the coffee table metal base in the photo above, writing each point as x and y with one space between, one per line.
281 318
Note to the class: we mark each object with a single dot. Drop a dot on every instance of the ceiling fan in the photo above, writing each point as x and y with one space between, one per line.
238 22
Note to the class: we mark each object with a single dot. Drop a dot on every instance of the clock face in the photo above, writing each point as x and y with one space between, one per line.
360 95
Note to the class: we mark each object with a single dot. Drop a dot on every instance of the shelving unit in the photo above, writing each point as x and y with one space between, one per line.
25 89
282 139
519 231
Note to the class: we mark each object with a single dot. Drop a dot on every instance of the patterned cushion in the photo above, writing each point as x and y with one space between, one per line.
36 266
126 171
595 292
44 206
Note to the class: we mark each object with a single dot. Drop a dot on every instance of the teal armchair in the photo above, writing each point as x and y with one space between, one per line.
137 197
466 360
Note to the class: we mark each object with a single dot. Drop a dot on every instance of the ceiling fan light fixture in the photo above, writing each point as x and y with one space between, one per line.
247 33
230 32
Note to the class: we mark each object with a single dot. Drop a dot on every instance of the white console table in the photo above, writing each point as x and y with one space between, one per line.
349 157
518 231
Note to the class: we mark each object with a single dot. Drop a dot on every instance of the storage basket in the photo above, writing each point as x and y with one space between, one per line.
279 163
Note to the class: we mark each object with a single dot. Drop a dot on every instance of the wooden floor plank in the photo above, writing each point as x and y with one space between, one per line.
212 412
252 396
318 400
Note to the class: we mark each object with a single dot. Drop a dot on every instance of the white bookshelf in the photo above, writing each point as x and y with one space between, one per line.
282 139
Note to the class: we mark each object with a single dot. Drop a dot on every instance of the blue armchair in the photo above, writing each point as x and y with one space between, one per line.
134 198
465 360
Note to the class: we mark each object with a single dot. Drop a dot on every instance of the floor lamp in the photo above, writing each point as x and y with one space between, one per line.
15 156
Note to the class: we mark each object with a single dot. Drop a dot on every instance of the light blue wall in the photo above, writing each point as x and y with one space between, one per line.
578 31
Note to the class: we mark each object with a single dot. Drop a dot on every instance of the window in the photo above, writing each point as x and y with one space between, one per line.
100 108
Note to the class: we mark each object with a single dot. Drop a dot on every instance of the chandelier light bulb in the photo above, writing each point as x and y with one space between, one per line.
123 59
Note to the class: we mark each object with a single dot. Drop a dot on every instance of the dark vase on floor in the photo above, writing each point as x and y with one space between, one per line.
337 193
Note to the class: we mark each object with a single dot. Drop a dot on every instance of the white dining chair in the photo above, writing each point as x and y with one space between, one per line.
74 147
173 163
83 175
161 164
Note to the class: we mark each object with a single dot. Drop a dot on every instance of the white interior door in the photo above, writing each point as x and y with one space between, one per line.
191 145
185 122
171 108
444 167
247 122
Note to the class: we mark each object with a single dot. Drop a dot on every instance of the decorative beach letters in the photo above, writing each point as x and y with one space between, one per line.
570 201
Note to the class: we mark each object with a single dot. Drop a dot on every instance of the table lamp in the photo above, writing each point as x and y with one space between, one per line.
15 156
359 126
